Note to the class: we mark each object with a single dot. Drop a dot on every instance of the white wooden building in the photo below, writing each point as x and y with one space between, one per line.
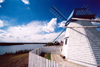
82 44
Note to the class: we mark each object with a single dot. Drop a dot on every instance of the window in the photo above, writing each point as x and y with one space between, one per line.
65 41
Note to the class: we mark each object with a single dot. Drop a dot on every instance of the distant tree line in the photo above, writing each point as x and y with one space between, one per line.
54 44
17 52
9 44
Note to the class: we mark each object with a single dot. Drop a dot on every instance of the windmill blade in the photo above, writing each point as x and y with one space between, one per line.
59 34
58 14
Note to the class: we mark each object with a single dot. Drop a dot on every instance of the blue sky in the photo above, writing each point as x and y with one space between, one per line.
31 20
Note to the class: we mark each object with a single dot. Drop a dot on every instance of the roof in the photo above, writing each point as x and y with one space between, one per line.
80 13
83 13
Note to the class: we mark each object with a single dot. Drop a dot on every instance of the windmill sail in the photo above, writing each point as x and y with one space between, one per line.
60 16
59 34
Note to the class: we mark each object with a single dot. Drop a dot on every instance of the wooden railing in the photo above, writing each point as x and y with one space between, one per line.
37 61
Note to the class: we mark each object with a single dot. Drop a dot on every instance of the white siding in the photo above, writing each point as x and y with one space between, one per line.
78 48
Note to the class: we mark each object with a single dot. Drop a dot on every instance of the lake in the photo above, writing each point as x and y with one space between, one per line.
15 48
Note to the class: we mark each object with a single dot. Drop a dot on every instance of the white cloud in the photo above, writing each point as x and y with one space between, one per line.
25 1
49 27
62 24
31 32
1 1
22 33
1 23
2 31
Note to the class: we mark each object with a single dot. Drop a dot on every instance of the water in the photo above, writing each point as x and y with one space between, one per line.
15 48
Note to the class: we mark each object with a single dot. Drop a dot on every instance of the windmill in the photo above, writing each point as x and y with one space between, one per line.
82 40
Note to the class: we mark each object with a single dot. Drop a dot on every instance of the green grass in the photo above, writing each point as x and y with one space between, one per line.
48 56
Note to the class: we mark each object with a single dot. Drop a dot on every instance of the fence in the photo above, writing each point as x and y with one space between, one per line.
37 61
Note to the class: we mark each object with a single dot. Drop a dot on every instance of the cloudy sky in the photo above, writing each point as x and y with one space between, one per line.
31 20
